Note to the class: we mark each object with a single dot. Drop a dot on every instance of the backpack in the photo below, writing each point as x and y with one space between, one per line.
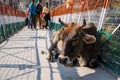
38 9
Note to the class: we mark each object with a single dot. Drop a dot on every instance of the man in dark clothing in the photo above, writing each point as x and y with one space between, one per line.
39 12
32 14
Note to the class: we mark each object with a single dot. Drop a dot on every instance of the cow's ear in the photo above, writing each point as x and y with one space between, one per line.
84 23
61 22
89 39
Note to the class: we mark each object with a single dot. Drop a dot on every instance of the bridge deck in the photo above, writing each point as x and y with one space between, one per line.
20 59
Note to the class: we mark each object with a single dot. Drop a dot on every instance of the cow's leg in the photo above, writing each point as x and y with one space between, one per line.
56 53
82 61
86 61
93 63
53 46
93 59
49 54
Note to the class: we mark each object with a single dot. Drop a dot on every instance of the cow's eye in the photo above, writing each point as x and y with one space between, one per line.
75 42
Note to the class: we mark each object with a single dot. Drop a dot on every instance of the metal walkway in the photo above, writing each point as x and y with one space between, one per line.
21 59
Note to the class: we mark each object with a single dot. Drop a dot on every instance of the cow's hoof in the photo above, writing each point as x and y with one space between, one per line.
51 59
46 54
83 64
93 63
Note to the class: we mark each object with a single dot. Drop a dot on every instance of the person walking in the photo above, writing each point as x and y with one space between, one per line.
39 12
28 18
32 15
46 11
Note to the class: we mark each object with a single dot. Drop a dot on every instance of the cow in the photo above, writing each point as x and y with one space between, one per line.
76 42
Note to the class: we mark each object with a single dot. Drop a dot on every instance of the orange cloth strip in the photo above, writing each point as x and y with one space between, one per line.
74 6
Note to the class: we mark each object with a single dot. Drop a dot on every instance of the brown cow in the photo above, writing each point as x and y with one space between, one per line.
76 41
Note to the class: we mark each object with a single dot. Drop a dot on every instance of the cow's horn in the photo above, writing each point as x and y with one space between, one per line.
84 23
61 22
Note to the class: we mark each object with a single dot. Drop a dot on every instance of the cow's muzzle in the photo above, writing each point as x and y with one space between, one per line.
65 60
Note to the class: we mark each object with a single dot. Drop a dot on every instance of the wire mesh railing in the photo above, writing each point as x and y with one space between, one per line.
11 20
